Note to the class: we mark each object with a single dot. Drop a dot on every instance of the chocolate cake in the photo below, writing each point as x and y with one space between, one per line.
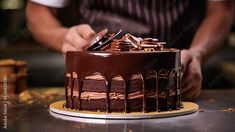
124 75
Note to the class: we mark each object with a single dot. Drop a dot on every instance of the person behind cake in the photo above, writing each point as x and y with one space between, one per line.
198 27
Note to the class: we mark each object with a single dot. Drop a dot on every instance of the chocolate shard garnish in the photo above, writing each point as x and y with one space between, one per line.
120 45
134 41
98 36
104 41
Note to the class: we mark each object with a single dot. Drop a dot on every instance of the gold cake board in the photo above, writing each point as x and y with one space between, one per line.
57 110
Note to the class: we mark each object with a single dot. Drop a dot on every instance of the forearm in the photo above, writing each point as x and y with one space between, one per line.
44 26
213 29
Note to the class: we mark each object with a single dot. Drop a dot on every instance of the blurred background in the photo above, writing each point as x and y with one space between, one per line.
46 68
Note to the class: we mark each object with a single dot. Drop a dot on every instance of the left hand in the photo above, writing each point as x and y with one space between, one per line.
77 37
191 75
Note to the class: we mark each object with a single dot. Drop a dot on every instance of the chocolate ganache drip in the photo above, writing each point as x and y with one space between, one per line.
157 67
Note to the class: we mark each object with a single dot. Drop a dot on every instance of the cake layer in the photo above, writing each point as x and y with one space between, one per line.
116 105
113 95
88 98
95 83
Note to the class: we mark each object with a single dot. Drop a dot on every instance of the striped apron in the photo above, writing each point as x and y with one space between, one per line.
173 21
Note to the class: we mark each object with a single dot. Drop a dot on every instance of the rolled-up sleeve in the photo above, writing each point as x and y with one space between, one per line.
52 3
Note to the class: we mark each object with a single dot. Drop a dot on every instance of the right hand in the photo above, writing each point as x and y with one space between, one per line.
192 75
77 37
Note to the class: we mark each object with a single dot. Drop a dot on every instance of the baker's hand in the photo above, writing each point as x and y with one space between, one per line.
77 37
191 75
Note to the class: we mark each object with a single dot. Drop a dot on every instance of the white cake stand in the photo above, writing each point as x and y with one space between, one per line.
57 110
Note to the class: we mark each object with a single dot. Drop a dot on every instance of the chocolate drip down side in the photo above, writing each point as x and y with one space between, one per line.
125 64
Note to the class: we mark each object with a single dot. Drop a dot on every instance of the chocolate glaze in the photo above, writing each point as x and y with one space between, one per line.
125 64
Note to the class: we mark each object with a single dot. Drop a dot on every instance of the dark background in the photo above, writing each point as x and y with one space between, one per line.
46 68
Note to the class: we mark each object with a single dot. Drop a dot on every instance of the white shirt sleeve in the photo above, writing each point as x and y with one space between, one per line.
52 3
217 0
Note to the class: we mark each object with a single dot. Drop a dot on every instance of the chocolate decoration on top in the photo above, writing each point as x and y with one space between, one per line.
158 71
103 40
